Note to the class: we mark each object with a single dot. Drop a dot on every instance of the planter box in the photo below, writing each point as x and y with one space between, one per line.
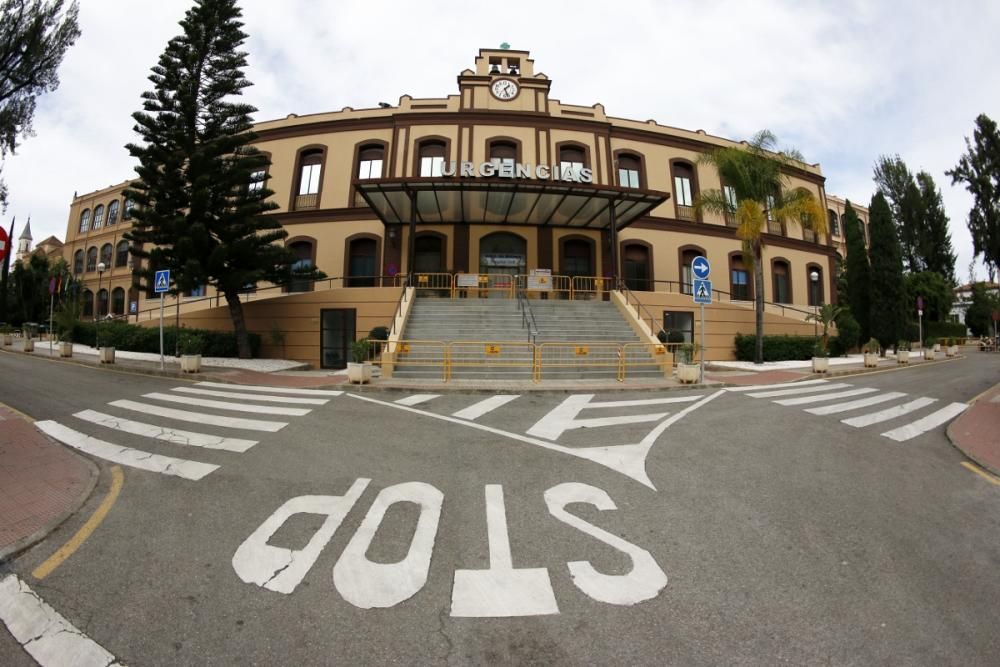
871 360
107 355
951 351
65 349
8 340
688 373
359 373
821 364
929 355
29 344
191 363
902 356
937 347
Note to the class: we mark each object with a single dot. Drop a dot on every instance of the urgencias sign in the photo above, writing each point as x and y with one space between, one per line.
542 172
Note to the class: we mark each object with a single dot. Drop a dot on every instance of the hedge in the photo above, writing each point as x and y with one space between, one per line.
941 330
776 348
133 338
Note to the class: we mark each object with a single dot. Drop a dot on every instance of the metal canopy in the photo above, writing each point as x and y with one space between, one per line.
496 201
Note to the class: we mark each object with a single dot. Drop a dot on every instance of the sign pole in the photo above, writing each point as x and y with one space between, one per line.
701 378
161 331
51 299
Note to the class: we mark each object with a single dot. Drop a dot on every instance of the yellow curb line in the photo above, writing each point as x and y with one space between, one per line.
982 473
68 549
28 418
983 393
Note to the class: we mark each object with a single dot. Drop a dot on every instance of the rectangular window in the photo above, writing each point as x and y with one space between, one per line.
682 190
740 284
257 180
687 280
121 256
781 288
679 320
730 194
370 169
628 178
127 213
770 205
309 185
431 166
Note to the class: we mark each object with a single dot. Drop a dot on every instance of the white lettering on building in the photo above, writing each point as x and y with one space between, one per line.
495 167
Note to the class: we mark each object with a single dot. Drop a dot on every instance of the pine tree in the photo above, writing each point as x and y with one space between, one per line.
934 249
200 195
888 293
34 37
979 169
859 272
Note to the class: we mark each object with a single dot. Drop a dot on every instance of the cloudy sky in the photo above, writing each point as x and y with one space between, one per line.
843 81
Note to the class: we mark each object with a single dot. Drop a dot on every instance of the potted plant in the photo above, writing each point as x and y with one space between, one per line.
952 349
903 352
821 357
359 369
930 347
688 371
826 315
7 333
871 350
191 346
66 319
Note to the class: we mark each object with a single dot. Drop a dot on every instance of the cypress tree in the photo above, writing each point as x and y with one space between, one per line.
979 169
200 195
888 293
935 247
858 270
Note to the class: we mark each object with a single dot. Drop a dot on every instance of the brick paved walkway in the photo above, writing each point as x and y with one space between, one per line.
977 431
40 482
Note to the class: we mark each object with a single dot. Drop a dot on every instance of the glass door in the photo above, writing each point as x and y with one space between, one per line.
337 330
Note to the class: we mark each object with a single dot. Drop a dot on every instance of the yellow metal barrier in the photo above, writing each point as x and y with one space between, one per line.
484 285
426 282
581 356
501 355
647 355
388 354
537 287
587 287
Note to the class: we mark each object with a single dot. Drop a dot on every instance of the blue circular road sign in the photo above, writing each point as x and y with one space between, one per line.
700 267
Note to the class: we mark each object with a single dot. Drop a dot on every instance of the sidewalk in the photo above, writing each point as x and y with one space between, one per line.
976 432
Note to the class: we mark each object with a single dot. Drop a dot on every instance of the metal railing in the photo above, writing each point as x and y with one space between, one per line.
642 313
527 316
484 285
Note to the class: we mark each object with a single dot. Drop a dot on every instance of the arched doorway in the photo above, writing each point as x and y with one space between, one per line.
503 252
428 254
636 267
362 256
577 257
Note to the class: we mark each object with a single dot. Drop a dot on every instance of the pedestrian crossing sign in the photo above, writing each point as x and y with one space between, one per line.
702 291
161 282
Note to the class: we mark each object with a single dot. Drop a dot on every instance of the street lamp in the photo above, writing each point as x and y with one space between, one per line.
814 277
97 326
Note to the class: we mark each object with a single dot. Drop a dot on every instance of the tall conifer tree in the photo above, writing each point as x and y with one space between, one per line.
979 169
200 195
935 250
888 293
859 272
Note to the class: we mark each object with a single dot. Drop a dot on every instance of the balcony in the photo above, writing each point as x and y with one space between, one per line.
731 220
774 227
686 213
809 235
306 202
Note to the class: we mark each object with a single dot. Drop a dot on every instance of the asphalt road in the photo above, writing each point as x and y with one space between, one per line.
734 530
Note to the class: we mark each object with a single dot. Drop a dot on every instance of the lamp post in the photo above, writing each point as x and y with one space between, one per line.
97 325
814 277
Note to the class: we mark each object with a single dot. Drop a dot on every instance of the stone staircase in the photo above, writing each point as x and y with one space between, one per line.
594 325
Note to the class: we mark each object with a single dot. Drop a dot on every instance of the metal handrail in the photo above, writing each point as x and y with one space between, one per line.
527 315
681 285
640 310
399 308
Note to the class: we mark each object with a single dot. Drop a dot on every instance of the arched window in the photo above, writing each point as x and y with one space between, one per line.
78 262
305 253
88 303
310 173
98 216
371 157
85 220
740 285
687 275
685 188
127 213
102 303
121 254
815 285
432 155
503 252
732 202
781 281
118 301
637 267
107 252
362 262
629 170
92 259
113 213
504 153
577 257
428 253
834 222
572 159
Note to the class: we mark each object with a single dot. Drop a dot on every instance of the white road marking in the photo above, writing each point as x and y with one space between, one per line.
936 418
477 410
802 400
135 458
888 413
854 405
226 405
783 385
291 400
44 633
644 401
501 591
629 460
417 399
200 417
271 390
175 436
793 392
563 417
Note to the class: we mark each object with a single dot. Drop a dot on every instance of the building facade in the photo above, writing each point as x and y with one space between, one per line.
499 179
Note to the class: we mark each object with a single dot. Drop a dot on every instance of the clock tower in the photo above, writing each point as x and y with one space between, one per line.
504 80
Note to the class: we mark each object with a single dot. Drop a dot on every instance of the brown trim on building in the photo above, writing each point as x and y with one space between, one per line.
297 173
562 251
356 161
347 252
810 266
695 185
428 138
832 279
711 229
751 278
313 244
461 258
394 143
680 258
519 153
649 253
544 240
613 180
428 106
788 277
350 214
557 158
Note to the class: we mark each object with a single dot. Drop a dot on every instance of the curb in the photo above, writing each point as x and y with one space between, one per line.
994 469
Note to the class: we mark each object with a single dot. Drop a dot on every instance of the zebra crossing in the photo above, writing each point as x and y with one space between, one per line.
830 394
103 428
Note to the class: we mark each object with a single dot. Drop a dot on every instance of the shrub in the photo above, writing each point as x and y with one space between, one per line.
133 338
945 329
675 336
379 333
848 333
776 348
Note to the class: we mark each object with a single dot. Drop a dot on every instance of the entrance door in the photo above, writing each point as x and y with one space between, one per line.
503 253
337 330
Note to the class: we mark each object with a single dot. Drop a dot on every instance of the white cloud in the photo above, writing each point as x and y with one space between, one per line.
842 81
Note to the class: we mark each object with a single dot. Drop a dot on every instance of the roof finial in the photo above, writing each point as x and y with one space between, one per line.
504 46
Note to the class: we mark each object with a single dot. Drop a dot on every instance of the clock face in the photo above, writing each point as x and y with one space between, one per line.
504 89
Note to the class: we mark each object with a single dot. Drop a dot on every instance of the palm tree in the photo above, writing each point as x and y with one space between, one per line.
826 315
756 173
